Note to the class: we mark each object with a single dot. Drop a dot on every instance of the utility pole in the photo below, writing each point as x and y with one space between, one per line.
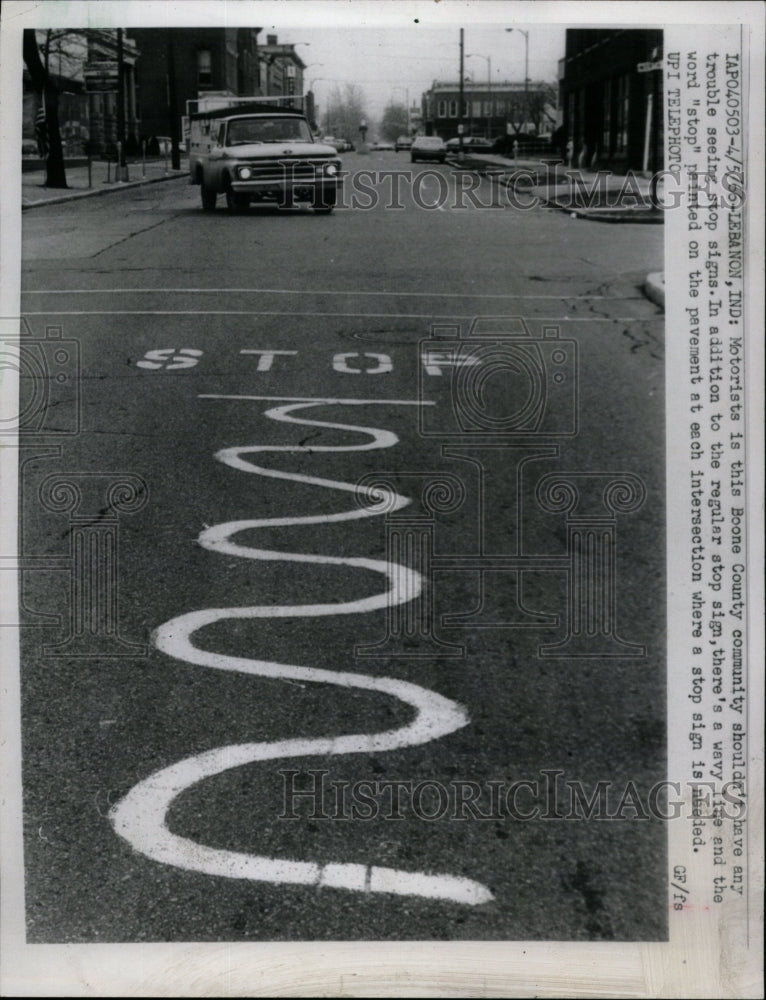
526 70
175 152
526 75
120 102
461 109
407 105
489 97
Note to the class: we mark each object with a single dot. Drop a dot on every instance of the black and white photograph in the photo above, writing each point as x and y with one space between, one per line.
377 567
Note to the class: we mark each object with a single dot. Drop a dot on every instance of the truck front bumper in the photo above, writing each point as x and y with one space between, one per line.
300 189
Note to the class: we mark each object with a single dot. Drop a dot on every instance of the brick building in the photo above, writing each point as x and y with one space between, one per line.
281 69
490 111
160 69
176 65
610 92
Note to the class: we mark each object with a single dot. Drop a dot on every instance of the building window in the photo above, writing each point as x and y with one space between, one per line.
442 109
453 109
623 104
204 67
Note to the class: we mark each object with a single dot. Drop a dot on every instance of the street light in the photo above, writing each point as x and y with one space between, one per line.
488 60
526 69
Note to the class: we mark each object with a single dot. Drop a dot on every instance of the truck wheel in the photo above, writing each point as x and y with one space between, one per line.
236 202
209 197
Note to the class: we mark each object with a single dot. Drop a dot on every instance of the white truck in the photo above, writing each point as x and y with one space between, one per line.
253 151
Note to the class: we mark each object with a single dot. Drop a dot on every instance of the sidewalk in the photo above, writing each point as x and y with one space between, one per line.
34 192
600 196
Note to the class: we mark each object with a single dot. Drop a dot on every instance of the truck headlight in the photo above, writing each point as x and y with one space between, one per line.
331 169
245 173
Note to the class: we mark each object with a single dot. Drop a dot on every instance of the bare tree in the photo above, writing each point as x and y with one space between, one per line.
345 110
536 108
541 106
48 95
394 121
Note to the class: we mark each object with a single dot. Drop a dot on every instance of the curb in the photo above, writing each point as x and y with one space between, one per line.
98 192
654 288
489 167
643 215
636 215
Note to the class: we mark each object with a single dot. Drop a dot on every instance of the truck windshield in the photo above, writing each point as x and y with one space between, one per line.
247 130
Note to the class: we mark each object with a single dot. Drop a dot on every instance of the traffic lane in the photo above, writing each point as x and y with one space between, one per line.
127 409
320 303
389 249
576 877
85 884
561 870
618 364
86 227
159 714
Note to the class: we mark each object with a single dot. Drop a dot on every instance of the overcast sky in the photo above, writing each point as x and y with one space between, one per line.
387 47
388 62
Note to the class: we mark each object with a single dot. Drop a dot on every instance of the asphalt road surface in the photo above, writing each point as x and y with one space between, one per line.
227 380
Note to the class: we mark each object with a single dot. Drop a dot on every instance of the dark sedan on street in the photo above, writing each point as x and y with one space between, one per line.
471 144
428 147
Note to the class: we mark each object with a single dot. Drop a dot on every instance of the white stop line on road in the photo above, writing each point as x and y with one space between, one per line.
140 817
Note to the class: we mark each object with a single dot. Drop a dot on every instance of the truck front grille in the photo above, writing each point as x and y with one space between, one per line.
286 170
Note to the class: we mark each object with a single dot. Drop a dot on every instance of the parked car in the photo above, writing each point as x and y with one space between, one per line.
378 146
343 145
428 147
29 148
403 142
471 143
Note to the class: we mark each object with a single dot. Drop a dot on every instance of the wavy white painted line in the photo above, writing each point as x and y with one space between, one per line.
140 817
